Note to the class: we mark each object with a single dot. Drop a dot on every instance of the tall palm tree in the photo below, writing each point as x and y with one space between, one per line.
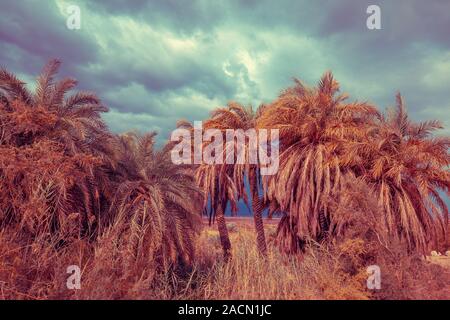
316 125
409 167
218 189
238 117
151 197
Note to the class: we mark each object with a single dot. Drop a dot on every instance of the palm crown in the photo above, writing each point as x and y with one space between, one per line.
408 167
315 126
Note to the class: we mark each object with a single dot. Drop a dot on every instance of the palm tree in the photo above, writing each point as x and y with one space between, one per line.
157 199
70 166
316 127
218 189
408 167
238 117
74 121
73 124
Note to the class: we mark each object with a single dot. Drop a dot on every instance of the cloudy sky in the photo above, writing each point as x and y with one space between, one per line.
153 62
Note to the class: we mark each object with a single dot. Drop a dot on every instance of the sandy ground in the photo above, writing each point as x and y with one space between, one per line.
443 261
247 221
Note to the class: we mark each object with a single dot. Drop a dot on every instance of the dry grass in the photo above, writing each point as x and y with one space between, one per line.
250 276
319 274
39 272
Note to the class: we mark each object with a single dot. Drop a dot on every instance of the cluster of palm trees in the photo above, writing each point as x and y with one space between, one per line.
326 143
58 160
65 176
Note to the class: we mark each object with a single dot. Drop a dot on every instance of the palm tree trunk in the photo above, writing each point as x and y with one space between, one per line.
223 231
257 208
323 226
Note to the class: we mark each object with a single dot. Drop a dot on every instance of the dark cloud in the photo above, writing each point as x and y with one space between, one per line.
156 61
181 17
38 32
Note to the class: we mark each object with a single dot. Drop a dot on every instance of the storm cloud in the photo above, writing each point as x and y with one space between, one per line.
154 62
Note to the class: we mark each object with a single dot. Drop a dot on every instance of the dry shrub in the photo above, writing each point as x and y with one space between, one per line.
358 238
38 191
37 270
362 239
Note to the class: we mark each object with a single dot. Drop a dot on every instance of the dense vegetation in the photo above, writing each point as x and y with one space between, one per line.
352 183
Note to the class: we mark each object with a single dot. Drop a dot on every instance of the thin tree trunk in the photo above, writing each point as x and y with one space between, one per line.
324 226
257 208
223 231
